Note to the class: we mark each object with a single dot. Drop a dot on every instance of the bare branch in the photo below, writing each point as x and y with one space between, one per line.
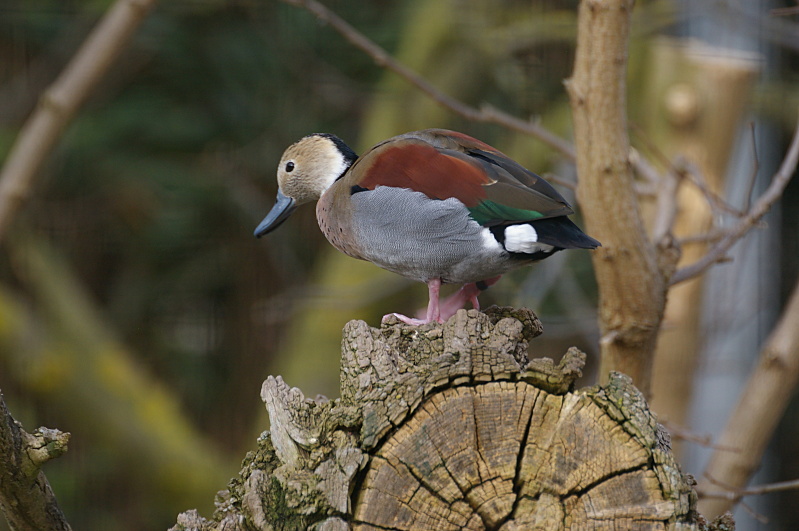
755 169
560 181
694 175
666 207
739 230
666 187
644 168
61 101
760 406
734 495
485 113
680 432
711 236
763 519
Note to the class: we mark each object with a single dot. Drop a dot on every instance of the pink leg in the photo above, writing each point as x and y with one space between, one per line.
456 301
433 311
468 293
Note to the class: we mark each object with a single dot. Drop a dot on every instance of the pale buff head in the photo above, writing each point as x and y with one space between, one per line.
311 165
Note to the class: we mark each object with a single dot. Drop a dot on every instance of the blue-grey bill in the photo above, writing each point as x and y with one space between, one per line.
283 208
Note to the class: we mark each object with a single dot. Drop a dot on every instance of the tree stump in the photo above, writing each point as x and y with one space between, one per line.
453 427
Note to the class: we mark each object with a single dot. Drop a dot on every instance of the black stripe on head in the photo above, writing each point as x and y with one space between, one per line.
349 155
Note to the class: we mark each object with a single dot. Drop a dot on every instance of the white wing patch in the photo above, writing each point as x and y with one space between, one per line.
524 239
489 242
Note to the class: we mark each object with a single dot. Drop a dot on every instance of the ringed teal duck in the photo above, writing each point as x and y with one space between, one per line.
434 205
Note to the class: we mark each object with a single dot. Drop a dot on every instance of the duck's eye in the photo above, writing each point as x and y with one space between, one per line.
290 166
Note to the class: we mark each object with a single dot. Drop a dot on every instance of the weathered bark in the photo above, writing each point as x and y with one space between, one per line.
453 427
26 499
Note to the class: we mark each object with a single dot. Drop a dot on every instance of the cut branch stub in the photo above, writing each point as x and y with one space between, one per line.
26 499
453 427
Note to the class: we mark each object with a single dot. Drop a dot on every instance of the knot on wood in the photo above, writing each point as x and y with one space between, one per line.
43 445
453 427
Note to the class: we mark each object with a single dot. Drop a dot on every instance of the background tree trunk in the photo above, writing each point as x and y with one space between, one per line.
453 427
632 284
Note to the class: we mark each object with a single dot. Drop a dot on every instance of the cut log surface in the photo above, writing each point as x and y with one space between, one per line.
453 427
508 453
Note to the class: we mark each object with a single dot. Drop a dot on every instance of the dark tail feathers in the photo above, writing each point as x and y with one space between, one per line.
562 232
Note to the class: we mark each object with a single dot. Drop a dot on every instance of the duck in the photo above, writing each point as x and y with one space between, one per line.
435 205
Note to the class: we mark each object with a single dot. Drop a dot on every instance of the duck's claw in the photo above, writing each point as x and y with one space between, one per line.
405 319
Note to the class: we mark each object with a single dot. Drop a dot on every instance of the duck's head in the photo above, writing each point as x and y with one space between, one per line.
307 168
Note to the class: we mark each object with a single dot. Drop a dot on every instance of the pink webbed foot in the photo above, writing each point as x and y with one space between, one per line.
433 312
405 319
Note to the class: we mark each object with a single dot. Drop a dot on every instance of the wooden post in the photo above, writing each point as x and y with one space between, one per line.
453 427
632 285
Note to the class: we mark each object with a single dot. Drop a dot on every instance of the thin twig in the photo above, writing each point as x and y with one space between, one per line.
668 185
486 113
382 58
679 432
750 189
666 206
758 210
61 101
560 181
492 115
711 236
644 168
762 518
734 495
694 175
683 168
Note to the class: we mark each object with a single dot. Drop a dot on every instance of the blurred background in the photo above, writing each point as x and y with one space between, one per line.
138 312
